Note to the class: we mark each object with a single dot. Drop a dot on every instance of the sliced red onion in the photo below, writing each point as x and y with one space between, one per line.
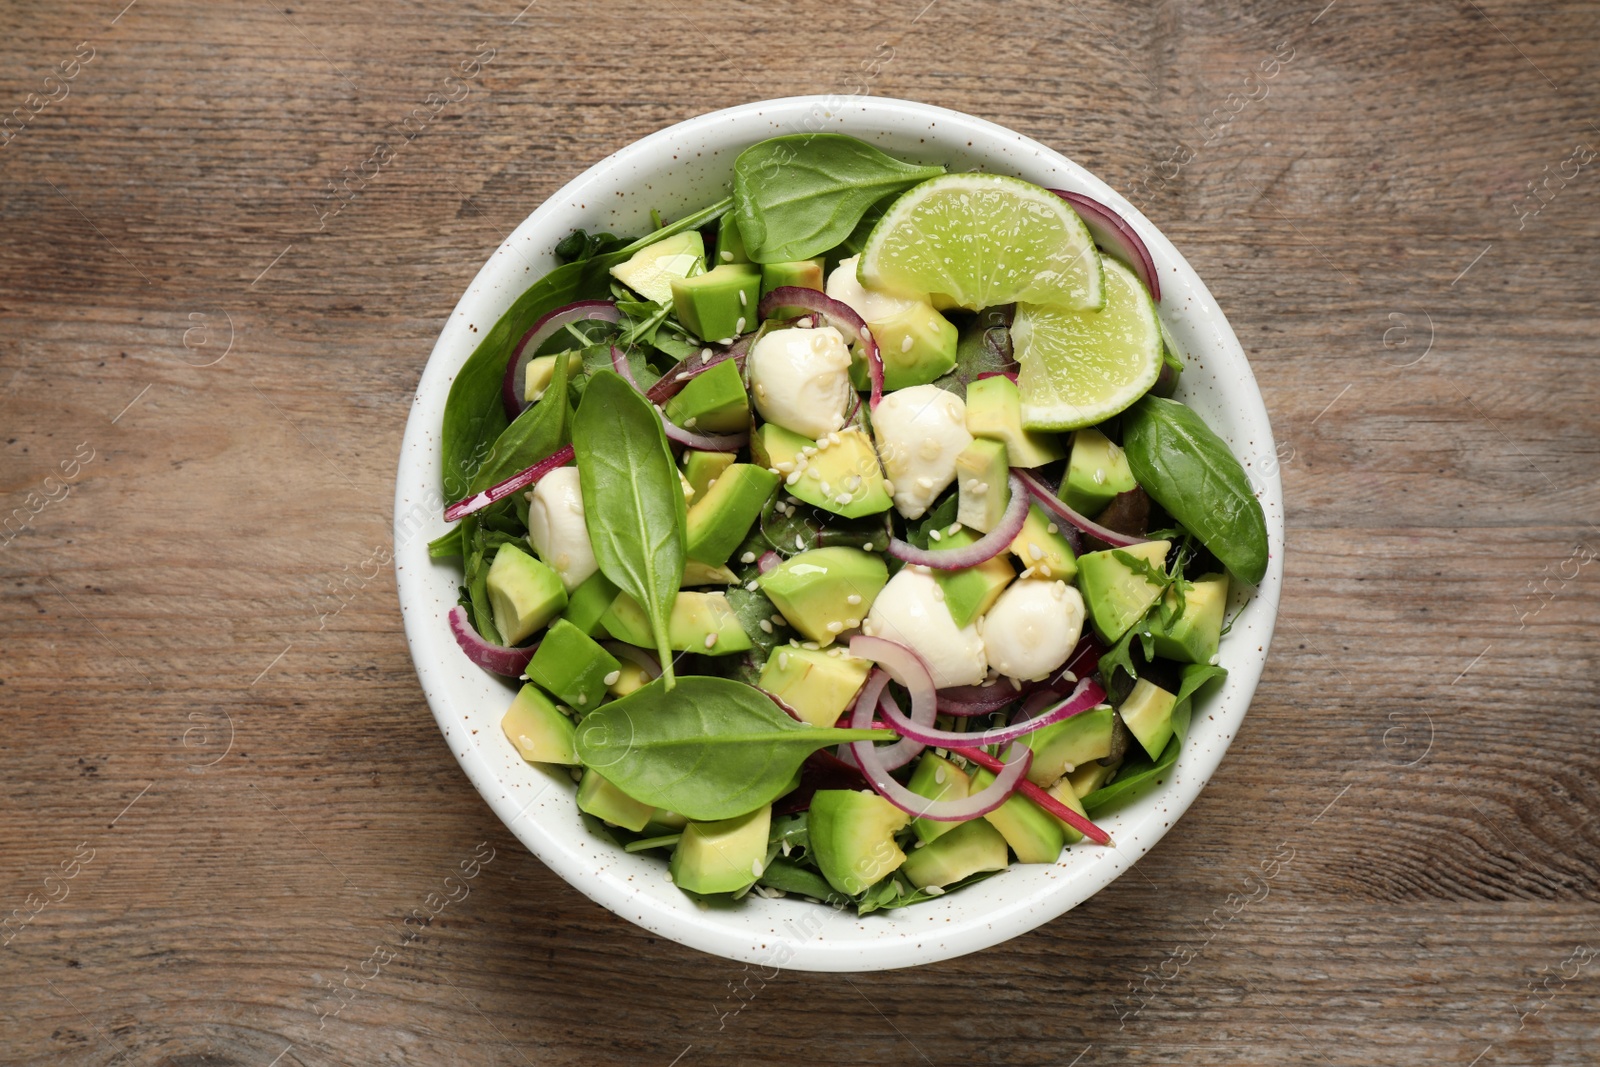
999 374
1112 232
994 698
1038 796
821 770
1085 696
499 659
842 314
873 695
513 387
1018 759
1055 504
983 549
768 560
634 655
520 480
701 442
619 363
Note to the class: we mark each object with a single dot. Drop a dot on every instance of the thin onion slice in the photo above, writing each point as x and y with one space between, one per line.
1018 759
634 655
520 480
1054 503
870 699
499 659
619 363
997 697
1112 232
703 442
1088 694
983 549
1038 796
842 314
513 388
1011 374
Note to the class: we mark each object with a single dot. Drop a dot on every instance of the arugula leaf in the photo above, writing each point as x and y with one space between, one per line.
1132 777
800 195
711 749
1189 471
632 499
536 433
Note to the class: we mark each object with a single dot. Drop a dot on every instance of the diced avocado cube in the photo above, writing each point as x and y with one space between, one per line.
1147 712
1069 744
722 856
536 379
801 273
1064 792
719 519
1114 594
937 779
968 848
588 602
665 822
1097 471
972 591
606 802
852 836
994 410
983 478
651 270
844 478
570 664
917 346
1043 549
702 468
720 304
630 677
538 730
818 685
697 573
1034 834
825 591
700 622
712 402
1091 776
1194 636
524 593
730 241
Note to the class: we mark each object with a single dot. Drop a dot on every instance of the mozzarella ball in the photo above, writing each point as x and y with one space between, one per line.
911 611
845 287
800 379
1032 628
557 529
920 431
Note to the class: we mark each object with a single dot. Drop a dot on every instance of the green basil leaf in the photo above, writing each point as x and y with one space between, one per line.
800 195
1131 778
632 499
710 749
535 434
1189 471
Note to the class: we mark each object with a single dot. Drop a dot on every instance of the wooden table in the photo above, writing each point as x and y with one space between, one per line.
222 790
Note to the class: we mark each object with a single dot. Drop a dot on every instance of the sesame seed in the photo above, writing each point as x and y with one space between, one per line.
755 868
835 626
853 482
936 535
792 478
726 341
748 557
842 498
744 301
799 542
689 423
853 599
711 640
725 255
583 698
752 585
826 488
1052 528
888 487
905 345
810 646
814 472
766 627
865 548
851 624
783 659
613 678
705 355
833 439
1028 573
806 322
1035 552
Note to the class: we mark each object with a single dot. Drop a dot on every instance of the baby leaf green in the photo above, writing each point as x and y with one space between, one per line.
1190 471
800 195
533 435
710 749
632 499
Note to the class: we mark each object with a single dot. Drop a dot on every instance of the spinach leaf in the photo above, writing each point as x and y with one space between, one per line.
474 414
796 880
1189 471
632 499
1194 676
1132 777
981 348
800 195
711 749
579 245
893 893
536 433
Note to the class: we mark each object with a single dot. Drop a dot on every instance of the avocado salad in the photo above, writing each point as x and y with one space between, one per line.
845 535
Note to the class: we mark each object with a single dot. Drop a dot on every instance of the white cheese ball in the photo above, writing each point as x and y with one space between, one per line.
920 431
845 287
557 529
911 611
800 379
1032 628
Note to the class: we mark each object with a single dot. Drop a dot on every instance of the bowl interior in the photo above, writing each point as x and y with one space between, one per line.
678 170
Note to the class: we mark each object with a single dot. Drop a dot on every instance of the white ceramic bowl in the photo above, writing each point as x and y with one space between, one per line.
678 170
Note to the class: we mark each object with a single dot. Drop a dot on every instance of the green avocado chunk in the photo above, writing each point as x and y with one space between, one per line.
588 602
1114 594
720 304
994 410
1147 712
972 591
968 848
572 665
937 779
1083 738
1045 555
817 684
852 836
538 730
1096 472
917 346
713 402
651 270
1194 636
722 856
700 622
524 593
983 480
1034 834
702 468
844 478
720 518
606 802
825 591
800 273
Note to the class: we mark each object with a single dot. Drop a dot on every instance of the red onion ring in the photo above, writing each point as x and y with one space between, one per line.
996 697
514 386
768 560
999 374
499 659
1056 504
1088 694
821 304
700 442
1038 796
983 549
1112 232
1010 776
619 363
634 655
873 695
499 491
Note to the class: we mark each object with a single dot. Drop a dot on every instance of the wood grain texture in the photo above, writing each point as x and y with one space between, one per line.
212 721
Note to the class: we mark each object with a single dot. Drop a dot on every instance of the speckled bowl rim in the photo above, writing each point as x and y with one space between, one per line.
670 170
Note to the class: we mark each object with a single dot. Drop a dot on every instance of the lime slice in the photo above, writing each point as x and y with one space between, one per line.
1079 368
979 240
